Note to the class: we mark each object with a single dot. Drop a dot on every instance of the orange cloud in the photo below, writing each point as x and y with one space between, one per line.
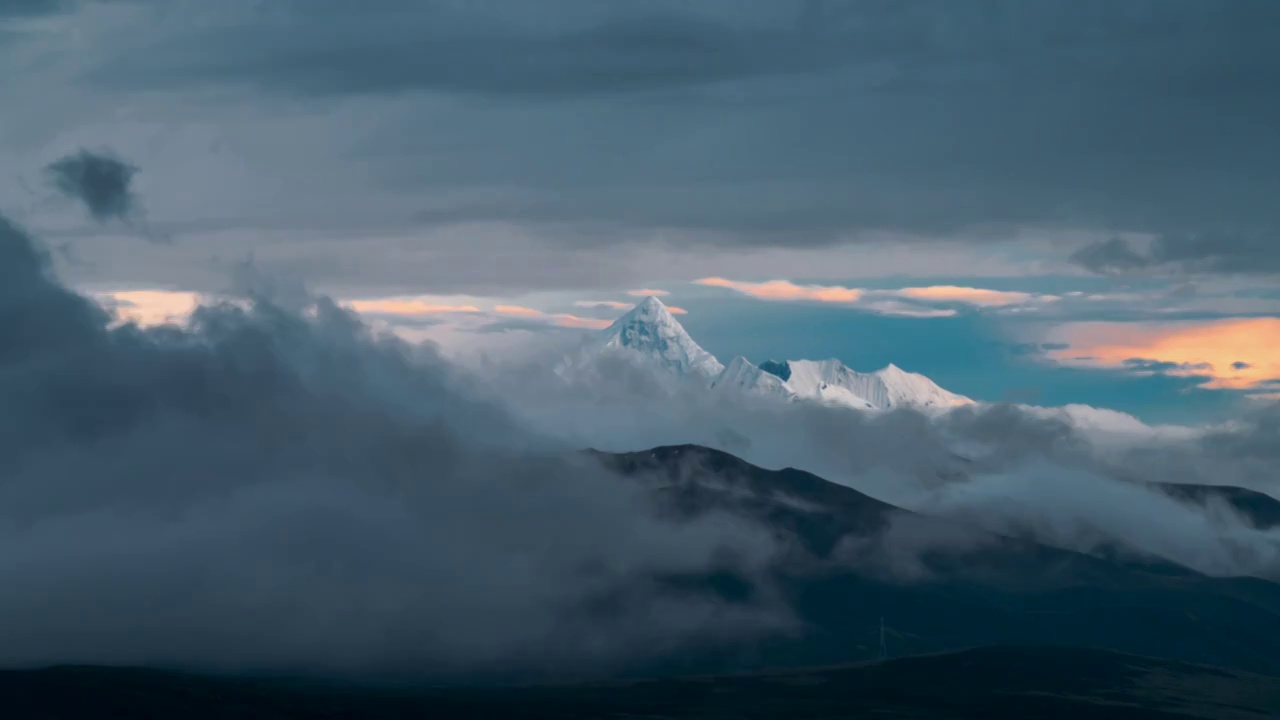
677 310
967 295
645 292
408 306
518 310
561 319
417 306
573 321
151 307
786 290
1234 353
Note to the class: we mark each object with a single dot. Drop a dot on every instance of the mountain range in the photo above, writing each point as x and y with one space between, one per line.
650 336
651 339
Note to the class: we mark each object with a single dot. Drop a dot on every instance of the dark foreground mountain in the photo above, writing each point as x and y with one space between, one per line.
977 625
990 683
1260 509
941 586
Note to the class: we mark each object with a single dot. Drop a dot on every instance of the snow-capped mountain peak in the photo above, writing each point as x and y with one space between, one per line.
650 330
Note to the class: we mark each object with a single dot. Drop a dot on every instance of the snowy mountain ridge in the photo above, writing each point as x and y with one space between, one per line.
650 334
833 382
651 338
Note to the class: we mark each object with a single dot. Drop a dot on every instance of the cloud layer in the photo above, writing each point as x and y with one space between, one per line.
698 131
1234 353
1245 253
922 301
275 486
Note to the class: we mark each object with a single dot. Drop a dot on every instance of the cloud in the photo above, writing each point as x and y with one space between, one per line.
576 51
408 306
254 120
787 290
897 309
559 319
1237 253
574 321
648 292
1233 353
517 310
611 304
614 305
1036 348
151 307
1090 512
880 301
1113 255
264 489
100 182
674 93
1144 365
31 8
967 295
1154 301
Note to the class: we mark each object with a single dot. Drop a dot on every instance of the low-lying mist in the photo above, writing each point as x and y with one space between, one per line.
277 487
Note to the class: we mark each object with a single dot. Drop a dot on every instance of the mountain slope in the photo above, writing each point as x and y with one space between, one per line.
650 334
848 560
1260 509
891 387
741 376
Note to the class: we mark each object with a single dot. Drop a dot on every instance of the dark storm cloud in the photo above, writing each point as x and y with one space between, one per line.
489 49
1114 255
787 123
1158 366
30 8
101 182
1237 253
275 489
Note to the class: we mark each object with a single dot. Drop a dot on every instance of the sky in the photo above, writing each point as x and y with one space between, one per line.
1045 201
279 280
